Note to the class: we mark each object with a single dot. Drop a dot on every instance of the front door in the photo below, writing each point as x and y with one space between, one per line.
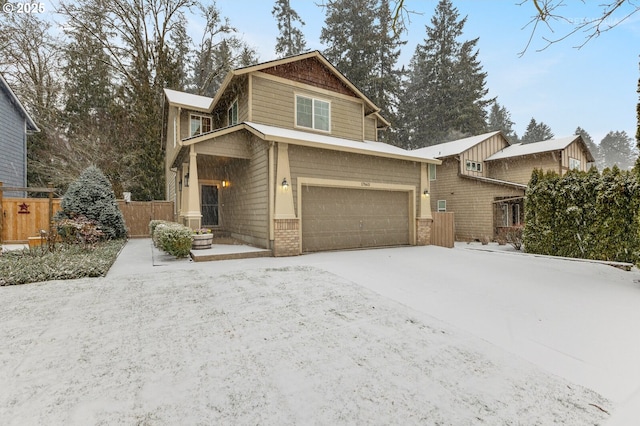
210 205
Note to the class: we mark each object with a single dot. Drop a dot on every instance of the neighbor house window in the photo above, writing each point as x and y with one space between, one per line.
432 172
200 125
474 166
313 113
442 205
232 113
574 164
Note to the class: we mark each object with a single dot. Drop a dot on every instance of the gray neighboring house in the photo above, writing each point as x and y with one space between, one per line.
15 125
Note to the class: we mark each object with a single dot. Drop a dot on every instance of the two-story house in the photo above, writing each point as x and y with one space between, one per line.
483 178
286 156
15 125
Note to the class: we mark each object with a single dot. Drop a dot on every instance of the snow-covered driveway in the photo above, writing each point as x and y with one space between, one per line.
415 335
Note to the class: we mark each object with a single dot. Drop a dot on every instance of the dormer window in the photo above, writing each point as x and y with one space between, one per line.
313 113
199 125
474 166
232 114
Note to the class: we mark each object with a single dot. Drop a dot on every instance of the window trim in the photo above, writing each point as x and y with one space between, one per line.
200 117
474 166
441 209
432 176
577 164
313 113
230 113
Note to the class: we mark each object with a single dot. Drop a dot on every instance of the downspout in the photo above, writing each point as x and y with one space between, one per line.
272 184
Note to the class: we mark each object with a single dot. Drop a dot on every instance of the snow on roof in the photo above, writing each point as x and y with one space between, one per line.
454 147
326 141
520 149
188 100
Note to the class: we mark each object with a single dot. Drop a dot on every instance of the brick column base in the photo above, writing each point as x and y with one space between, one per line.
286 240
423 232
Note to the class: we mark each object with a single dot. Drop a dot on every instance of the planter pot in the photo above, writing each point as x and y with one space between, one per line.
202 241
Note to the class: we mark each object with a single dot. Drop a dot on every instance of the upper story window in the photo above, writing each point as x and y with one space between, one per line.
574 164
474 166
199 125
232 113
313 113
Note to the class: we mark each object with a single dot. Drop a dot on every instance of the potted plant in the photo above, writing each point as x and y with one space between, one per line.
202 239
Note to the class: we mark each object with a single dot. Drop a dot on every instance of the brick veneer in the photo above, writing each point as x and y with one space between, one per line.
423 231
286 237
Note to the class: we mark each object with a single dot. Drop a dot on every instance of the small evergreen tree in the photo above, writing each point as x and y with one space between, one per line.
92 196
500 119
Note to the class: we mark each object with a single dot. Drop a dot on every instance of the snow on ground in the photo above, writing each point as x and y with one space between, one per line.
414 335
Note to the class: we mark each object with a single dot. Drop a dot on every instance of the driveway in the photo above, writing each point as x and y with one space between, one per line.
413 335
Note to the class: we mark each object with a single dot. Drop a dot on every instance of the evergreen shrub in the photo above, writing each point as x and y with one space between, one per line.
172 237
92 196
583 215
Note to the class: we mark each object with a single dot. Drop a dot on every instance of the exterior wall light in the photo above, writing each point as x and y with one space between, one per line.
426 192
225 183
285 184
186 180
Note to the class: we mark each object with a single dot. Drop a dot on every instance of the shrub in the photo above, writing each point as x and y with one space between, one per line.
79 230
92 196
172 237
513 235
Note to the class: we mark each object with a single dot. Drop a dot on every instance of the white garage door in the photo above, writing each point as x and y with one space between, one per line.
344 218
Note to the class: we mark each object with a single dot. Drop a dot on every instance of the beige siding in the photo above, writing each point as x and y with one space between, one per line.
325 164
575 150
244 212
170 153
480 152
519 169
273 103
471 201
370 130
235 145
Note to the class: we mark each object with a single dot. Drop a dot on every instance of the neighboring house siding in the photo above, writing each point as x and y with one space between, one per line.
576 151
246 200
13 167
273 103
519 169
480 152
334 165
471 201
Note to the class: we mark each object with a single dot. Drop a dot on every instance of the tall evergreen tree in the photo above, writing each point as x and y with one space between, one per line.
446 86
363 46
536 132
593 147
617 150
291 39
500 119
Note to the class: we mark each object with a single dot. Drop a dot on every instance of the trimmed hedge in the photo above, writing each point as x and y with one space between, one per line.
583 215
171 237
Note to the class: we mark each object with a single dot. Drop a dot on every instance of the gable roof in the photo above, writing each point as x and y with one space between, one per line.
315 140
456 147
4 86
520 149
206 104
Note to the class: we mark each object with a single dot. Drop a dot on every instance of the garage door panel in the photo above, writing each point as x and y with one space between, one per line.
341 218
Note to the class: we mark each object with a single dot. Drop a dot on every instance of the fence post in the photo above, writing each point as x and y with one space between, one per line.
50 237
1 216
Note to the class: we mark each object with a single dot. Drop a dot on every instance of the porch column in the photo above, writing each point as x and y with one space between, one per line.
286 241
192 216
424 219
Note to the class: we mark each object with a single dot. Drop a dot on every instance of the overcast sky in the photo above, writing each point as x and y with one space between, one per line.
593 87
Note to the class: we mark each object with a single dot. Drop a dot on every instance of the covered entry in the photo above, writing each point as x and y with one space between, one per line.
335 218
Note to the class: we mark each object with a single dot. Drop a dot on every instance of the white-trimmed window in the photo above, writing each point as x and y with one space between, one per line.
442 205
313 113
432 172
232 113
574 164
199 125
474 166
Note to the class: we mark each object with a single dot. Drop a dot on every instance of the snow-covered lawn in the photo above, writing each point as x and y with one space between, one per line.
415 335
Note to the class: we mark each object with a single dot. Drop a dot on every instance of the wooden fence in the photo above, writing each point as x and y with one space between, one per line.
22 218
138 214
443 229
